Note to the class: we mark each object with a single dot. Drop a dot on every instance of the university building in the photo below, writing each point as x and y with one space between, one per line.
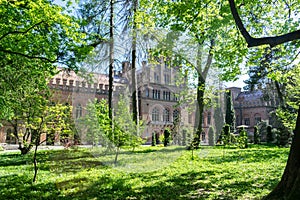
252 107
159 102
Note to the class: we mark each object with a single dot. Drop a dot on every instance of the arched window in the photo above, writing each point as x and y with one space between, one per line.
155 114
176 115
78 111
166 115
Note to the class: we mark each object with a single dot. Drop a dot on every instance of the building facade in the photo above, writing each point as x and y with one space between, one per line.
253 107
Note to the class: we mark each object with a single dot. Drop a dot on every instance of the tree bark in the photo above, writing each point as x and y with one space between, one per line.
111 60
135 114
202 74
200 104
288 187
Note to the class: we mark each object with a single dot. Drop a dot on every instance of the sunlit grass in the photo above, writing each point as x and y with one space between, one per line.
146 173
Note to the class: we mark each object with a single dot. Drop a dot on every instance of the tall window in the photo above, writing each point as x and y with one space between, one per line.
147 92
175 115
208 118
166 95
78 111
156 94
167 79
155 114
156 77
166 115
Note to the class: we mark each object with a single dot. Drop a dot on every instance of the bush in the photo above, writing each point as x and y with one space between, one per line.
211 136
166 139
242 140
270 137
256 135
153 142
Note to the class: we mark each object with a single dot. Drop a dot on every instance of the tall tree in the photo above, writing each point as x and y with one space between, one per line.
37 36
135 106
111 60
230 114
203 26
288 187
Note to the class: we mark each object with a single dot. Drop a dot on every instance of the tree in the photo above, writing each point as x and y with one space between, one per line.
97 125
202 28
211 136
256 139
230 114
34 36
287 188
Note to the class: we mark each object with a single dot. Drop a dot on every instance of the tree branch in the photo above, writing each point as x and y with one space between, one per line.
28 56
209 58
251 41
21 32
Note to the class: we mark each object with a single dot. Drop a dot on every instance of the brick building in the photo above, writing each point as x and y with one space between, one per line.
158 99
252 107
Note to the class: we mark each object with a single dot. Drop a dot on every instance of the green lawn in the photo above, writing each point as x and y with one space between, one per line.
147 173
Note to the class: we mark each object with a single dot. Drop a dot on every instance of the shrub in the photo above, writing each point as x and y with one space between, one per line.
153 142
270 137
211 136
166 139
256 135
242 140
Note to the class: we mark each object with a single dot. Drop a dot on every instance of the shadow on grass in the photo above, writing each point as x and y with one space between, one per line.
15 159
21 187
190 185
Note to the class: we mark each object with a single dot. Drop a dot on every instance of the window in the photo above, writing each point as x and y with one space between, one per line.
155 114
147 92
167 78
247 121
78 111
166 95
156 77
257 118
175 115
166 115
208 118
156 94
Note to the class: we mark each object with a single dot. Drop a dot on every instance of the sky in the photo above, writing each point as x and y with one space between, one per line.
238 83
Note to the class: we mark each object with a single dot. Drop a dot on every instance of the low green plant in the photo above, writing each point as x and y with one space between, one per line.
78 174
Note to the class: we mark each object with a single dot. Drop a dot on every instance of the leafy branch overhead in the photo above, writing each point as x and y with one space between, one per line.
39 30
252 41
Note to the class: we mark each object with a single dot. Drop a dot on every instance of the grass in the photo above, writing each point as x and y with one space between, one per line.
147 173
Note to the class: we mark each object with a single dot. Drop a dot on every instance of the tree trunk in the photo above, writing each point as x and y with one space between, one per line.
133 72
200 104
111 60
35 164
117 154
288 187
